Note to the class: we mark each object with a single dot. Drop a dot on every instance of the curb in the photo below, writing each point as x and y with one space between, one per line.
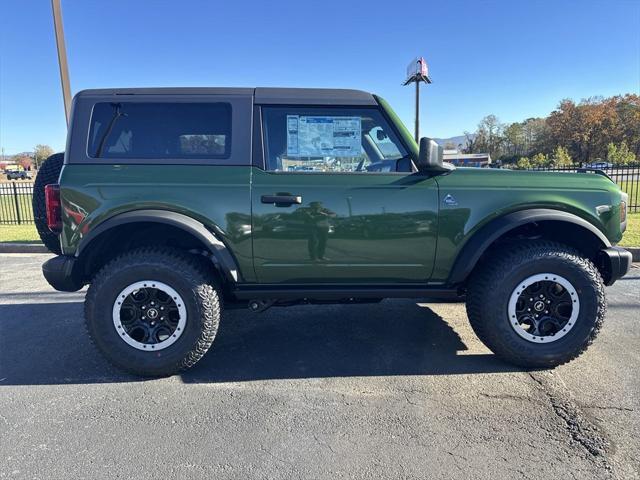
23 248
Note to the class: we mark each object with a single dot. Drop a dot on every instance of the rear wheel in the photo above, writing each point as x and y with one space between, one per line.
153 311
538 305
48 173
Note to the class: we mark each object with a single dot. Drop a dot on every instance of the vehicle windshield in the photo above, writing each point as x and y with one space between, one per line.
406 136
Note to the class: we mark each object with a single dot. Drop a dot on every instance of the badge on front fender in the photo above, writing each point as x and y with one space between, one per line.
449 200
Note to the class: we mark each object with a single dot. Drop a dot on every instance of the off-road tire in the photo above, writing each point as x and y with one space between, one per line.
183 272
493 282
48 173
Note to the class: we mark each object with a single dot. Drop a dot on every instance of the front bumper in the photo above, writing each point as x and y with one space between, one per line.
62 273
614 263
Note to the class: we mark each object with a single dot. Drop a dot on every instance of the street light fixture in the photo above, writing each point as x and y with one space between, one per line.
417 72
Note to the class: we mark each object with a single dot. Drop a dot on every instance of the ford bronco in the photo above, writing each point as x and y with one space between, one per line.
174 203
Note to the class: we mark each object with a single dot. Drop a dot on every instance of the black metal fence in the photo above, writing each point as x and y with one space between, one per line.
626 176
15 203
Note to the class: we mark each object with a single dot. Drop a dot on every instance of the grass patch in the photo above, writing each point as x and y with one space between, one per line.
631 237
19 234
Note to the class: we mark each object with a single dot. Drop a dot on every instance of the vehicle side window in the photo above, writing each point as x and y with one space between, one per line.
130 130
334 140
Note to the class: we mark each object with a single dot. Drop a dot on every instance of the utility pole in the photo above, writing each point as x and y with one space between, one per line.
417 72
417 129
62 57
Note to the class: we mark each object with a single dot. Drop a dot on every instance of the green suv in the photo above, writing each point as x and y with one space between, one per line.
173 204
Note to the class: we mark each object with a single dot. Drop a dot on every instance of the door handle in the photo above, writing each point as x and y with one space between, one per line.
282 200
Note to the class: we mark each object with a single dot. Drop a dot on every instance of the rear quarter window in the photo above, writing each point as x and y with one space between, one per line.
162 130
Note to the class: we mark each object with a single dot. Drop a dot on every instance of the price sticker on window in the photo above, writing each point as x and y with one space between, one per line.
324 136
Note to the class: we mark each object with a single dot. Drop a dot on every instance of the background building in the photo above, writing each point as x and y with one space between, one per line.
467 159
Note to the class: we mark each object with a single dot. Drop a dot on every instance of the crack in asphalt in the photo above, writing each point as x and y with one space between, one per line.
608 407
323 444
581 429
406 397
507 396
269 453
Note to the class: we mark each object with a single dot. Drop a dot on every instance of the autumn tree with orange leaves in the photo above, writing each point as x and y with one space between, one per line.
583 132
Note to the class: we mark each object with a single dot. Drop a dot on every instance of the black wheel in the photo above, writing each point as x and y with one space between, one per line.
47 174
152 311
536 304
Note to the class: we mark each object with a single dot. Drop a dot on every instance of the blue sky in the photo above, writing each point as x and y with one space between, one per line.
515 59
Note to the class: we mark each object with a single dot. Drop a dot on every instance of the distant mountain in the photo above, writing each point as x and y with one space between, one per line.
459 140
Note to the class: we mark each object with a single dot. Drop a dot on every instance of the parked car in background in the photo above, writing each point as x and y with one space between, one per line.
18 174
600 165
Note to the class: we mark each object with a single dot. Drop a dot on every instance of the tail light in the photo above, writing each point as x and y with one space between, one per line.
54 207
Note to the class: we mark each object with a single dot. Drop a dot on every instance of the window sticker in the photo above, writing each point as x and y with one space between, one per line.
321 136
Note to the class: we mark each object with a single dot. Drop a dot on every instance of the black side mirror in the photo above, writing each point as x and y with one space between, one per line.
430 156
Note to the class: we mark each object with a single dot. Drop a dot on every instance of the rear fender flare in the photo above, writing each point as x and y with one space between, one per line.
218 249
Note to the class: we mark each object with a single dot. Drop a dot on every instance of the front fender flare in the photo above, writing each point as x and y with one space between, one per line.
489 233
218 249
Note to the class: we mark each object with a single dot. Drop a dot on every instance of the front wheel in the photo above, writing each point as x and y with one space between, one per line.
538 304
152 311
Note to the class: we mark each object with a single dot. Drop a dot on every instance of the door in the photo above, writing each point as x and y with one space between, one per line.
333 204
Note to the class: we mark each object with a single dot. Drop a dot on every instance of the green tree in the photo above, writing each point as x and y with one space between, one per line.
489 136
540 160
41 153
628 113
561 157
514 139
620 155
523 163
470 143
535 135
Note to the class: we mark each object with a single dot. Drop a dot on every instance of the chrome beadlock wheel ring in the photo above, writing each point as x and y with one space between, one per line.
149 315
543 308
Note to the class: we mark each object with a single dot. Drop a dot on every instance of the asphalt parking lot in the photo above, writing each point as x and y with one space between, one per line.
392 390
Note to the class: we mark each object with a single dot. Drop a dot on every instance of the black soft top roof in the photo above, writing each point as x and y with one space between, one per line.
291 96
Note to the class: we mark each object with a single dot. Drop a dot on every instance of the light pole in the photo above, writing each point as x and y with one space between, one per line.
417 72
62 57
